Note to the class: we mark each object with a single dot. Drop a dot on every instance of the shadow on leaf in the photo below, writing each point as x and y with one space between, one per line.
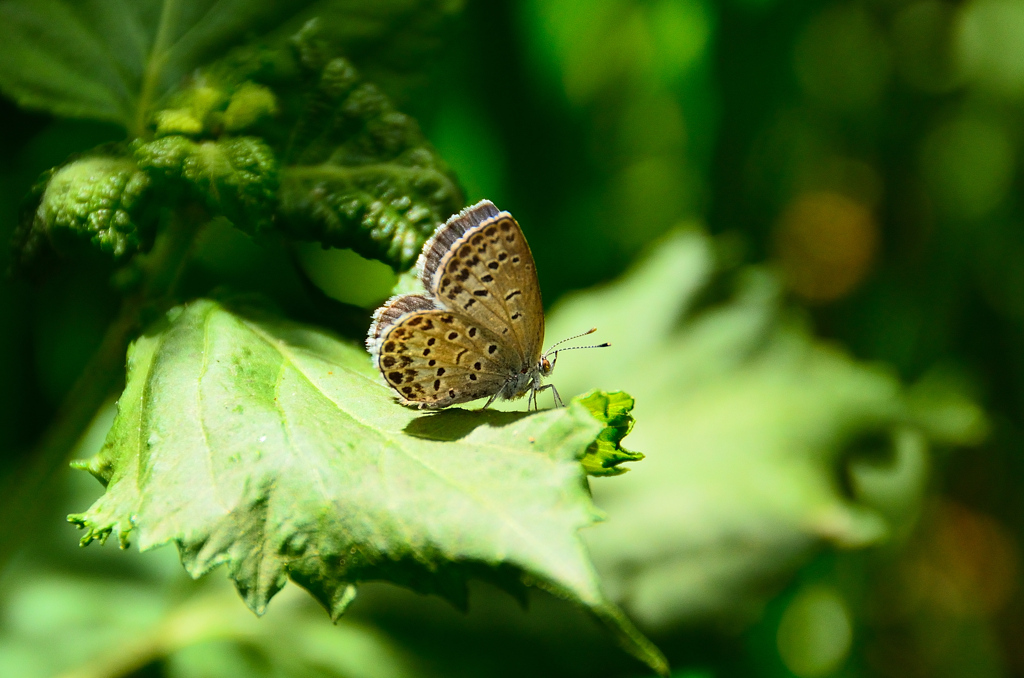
455 424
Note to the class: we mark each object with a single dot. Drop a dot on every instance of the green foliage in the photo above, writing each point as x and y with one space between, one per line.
747 421
103 200
357 173
114 61
111 199
234 177
790 492
286 134
107 60
207 109
193 629
604 456
272 448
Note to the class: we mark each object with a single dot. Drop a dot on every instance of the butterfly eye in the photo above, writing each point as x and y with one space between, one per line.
546 366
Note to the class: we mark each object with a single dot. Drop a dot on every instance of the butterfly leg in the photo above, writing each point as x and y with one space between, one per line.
554 391
489 401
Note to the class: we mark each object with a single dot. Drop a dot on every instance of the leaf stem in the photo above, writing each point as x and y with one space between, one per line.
154 67
32 485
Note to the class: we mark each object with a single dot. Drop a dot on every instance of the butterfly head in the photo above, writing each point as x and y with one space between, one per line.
546 366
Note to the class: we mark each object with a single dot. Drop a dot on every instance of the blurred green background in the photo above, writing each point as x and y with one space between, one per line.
811 214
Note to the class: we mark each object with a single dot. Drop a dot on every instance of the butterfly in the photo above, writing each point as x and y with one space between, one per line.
478 329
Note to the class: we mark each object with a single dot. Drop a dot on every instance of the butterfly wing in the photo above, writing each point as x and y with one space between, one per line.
435 357
486 273
441 242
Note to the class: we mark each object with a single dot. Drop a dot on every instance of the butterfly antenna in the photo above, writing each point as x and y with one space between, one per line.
552 352
573 348
581 334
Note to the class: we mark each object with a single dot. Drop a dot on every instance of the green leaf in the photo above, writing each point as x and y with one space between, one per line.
101 201
358 173
235 177
205 109
763 444
110 201
275 449
604 456
115 61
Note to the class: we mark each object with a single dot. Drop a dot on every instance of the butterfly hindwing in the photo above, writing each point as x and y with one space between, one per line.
388 314
434 358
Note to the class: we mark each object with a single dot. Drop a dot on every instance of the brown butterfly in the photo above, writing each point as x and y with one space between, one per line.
478 330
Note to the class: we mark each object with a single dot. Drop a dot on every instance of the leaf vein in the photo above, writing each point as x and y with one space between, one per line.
514 526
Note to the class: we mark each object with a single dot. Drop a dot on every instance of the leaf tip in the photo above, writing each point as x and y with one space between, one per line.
95 532
631 639
605 454
344 597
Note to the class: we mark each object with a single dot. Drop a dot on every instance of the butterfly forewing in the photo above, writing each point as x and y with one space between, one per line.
435 249
488 275
435 358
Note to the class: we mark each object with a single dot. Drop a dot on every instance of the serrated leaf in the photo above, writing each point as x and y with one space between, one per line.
273 448
748 422
358 173
114 60
100 200
236 177
605 455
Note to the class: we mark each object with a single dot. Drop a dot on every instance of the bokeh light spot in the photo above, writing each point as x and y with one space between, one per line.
815 632
681 32
842 60
968 164
825 243
990 44
968 565
650 195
